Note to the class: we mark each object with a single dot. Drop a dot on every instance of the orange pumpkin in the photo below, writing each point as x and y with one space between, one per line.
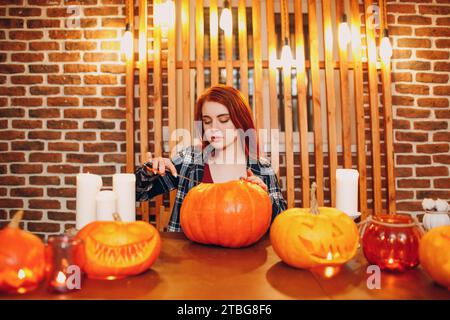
314 238
231 214
434 254
116 249
22 258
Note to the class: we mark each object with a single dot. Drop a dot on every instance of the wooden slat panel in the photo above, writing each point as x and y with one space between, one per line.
359 105
243 53
345 102
288 126
186 87
373 101
130 91
302 103
214 46
388 125
143 90
228 34
274 137
331 96
199 46
315 83
172 93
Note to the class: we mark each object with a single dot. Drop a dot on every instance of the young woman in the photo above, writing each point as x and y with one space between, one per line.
229 151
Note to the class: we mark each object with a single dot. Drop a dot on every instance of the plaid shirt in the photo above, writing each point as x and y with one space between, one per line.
189 162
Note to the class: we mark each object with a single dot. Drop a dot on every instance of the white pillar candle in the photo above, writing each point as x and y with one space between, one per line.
88 185
347 191
124 185
106 205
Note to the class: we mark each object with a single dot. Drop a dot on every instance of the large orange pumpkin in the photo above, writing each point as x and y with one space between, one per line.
434 254
231 214
116 249
314 238
22 258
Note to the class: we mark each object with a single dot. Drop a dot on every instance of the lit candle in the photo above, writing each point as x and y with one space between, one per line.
124 185
106 205
88 185
347 191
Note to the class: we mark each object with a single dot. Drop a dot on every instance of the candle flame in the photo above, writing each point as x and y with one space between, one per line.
390 261
61 277
329 272
21 274
329 256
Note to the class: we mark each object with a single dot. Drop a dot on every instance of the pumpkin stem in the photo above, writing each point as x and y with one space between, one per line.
16 219
117 217
314 206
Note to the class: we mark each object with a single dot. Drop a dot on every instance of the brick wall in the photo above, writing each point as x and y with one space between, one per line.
62 104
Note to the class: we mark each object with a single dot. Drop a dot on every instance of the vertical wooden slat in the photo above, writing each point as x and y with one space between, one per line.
143 90
258 71
359 105
331 97
288 135
345 102
129 92
315 83
272 53
172 91
199 46
228 35
186 87
302 101
243 54
388 126
214 46
373 101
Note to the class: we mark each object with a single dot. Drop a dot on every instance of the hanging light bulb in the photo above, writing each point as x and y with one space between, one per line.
126 43
385 47
226 20
165 15
344 32
286 55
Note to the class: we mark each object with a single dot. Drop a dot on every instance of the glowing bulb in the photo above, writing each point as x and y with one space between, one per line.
165 15
385 49
391 261
61 277
329 272
226 20
344 34
21 274
286 55
126 44
329 256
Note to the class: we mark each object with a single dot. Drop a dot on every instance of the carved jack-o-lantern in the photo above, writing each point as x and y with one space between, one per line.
312 238
115 249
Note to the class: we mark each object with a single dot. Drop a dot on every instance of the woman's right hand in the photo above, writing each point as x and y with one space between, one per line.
160 164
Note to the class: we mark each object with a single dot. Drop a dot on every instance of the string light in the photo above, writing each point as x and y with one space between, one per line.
344 32
286 53
385 47
226 20
126 43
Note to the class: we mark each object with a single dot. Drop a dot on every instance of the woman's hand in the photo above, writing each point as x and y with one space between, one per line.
254 179
160 164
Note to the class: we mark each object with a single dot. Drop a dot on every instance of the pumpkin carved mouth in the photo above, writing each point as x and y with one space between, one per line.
124 255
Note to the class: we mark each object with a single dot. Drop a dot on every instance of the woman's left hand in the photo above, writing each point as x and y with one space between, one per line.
254 179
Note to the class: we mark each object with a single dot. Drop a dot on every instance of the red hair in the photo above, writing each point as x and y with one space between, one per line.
240 114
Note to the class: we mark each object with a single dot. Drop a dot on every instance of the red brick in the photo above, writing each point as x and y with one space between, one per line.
63 146
441 90
80 113
441 158
27 192
11 68
98 125
433 102
442 114
100 79
433 148
114 136
64 79
413 113
11 180
65 169
99 102
81 91
11 24
399 148
402 100
82 158
12 46
113 114
27 145
441 136
442 194
100 34
431 171
434 10
400 31
44 226
80 136
12 135
26 102
115 158
413 43
61 192
11 203
79 68
401 77
44 180
62 124
44 135
401 8
26 79
430 125
100 147
443 21
44 2
64 57
442 183
100 56
414 65
432 54
401 54
410 159
411 136
442 43
43 23
12 91
113 22
25 35
414 20
45 157
80 45
10 113
61 216
442 66
101 11
413 183
44 90
12 157
26 168
63 101
44 113
432 77
101 170
43 68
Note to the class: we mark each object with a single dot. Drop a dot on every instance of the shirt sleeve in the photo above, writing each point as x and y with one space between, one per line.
149 185
279 204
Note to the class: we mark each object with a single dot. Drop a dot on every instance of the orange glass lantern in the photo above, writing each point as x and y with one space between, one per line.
392 242
22 258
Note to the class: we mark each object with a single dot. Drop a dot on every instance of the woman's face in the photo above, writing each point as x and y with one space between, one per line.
220 131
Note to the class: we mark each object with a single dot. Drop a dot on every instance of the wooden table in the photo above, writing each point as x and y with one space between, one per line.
186 270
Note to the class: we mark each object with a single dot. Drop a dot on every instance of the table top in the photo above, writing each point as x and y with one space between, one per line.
186 270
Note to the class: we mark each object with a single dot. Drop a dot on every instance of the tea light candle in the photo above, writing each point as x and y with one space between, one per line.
124 185
88 185
106 205
347 191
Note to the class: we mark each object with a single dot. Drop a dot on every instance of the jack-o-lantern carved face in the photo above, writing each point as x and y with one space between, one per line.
306 240
117 249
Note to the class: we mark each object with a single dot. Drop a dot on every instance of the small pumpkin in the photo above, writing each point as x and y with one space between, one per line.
22 258
116 249
232 214
434 254
314 238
